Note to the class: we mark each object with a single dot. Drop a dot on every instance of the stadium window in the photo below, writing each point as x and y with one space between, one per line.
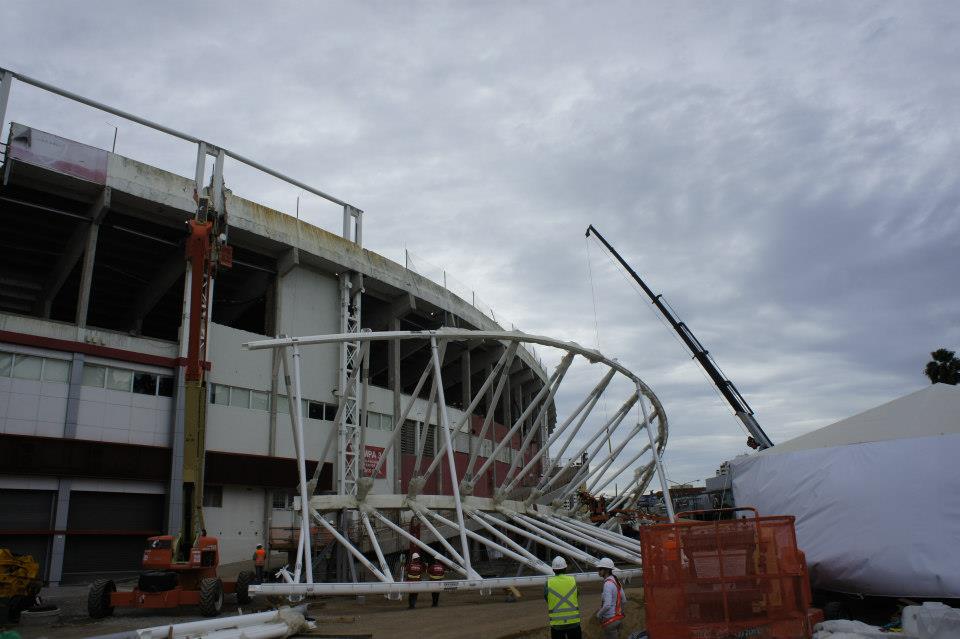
27 367
144 384
239 397
315 410
119 379
165 386
221 395
386 422
283 406
330 412
94 376
56 370
259 400
282 501
6 364
213 496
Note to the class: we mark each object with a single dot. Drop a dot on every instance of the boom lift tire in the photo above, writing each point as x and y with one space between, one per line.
157 581
211 597
98 599
244 579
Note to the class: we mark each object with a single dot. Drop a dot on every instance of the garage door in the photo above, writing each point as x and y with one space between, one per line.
26 516
107 533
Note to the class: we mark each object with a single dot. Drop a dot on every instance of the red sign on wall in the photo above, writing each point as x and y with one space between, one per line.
371 457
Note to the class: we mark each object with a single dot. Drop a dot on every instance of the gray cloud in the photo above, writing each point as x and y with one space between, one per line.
780 171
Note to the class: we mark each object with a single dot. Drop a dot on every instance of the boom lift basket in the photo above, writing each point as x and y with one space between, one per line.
726 578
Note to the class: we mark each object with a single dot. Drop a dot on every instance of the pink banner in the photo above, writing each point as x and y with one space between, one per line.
62 155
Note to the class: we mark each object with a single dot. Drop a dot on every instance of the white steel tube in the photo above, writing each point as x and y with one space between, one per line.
502 537
443 540
542 537
667 500
376 546
444 426
614 538
619 471
302 469
469 411
491 409
592 542
617 417
560 429
208 625
526 413
350 547
373 588
536 564
399 420
403 533
562 368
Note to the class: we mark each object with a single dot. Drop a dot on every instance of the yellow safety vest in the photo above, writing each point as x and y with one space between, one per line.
562 604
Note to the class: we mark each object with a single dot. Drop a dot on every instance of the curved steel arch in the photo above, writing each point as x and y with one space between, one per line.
530 506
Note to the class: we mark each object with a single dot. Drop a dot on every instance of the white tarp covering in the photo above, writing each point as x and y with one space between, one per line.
873 517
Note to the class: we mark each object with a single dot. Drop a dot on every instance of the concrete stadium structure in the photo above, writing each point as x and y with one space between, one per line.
91 301
136 370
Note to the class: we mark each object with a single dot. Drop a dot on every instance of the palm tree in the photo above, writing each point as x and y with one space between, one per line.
944 368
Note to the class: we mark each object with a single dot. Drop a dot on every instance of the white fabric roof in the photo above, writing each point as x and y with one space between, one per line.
933 411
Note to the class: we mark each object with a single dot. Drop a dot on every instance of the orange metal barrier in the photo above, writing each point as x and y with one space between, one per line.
726 578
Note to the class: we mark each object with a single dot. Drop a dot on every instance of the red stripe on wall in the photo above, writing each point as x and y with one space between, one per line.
71 346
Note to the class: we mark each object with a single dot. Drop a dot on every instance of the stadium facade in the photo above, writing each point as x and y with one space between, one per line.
93 301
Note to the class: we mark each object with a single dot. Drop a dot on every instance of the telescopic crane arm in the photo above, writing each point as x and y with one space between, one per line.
758 438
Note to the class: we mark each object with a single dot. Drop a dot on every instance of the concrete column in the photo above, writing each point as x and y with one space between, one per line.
175 487
466 392
61 512
61 509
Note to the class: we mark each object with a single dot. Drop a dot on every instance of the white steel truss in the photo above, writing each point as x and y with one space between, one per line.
532 511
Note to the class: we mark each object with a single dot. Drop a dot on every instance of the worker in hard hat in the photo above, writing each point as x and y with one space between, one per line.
563 605
259 561
414 573
437 572
612 599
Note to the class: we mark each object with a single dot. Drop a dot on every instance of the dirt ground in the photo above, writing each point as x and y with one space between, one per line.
465 615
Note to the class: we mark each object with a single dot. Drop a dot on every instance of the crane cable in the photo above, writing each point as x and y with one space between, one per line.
596 330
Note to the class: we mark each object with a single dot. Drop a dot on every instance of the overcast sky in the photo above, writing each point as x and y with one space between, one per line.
783 172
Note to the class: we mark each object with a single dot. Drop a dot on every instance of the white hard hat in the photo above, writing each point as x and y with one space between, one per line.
606 562
559 563
415 555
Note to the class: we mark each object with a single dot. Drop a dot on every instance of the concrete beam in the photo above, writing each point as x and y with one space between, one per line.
82 242
165 277
400 307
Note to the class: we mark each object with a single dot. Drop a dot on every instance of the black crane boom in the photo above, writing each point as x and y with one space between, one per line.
730 393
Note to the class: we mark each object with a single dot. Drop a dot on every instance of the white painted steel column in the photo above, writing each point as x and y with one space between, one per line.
302 468
502 537
455 485
667 500
6 81
376 546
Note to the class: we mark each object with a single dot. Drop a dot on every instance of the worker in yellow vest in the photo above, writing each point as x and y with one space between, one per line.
259 561
563 605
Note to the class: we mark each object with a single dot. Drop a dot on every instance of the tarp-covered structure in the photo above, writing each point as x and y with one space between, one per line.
876 496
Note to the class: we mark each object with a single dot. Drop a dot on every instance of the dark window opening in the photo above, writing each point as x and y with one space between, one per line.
165 386
213 496
144 383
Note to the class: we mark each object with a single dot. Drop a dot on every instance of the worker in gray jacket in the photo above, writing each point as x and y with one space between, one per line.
612 599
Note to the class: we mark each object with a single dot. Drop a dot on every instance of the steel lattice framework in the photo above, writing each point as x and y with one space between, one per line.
532 504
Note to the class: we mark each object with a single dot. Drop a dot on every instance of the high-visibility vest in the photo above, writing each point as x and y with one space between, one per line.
437 571
618 608
259 556
414 571
562 604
